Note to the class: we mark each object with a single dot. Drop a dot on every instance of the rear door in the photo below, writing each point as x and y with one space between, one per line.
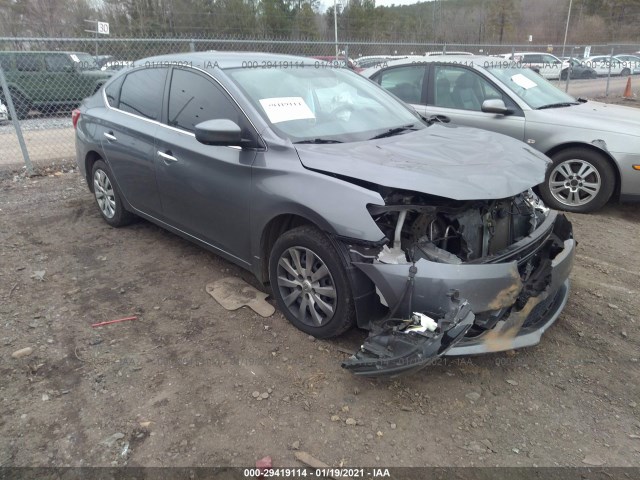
551 68
30 76
60 86
128 135
458 92
205 189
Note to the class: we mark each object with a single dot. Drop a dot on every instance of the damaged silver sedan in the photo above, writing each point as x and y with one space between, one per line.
355 209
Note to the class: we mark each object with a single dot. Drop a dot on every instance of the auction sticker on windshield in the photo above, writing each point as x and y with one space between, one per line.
522 81
74 58
285 109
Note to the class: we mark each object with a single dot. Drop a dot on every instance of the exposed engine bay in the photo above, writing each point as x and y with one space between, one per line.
454 233
476 267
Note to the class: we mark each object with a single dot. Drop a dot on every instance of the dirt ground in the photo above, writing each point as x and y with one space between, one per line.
175 387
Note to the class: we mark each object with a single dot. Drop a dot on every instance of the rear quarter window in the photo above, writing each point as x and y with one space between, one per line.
6 62
112 91
58 63
142 92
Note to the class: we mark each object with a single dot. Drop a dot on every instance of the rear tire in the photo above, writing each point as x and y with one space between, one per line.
310 283
579 180
108 197
20 103
625 72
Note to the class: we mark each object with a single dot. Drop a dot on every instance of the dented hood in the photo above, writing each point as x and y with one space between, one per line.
448 161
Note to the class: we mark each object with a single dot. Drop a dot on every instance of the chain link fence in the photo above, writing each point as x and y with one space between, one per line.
43 79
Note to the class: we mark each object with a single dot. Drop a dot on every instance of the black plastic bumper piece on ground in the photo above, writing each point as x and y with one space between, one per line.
391 349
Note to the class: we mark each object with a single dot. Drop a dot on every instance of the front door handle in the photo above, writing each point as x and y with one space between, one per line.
110 136
167 157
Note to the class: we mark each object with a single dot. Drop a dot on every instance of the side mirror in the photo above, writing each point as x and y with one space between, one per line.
221 132
495 106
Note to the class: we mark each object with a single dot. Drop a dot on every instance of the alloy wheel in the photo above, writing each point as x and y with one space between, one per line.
306 286
104 193
575 182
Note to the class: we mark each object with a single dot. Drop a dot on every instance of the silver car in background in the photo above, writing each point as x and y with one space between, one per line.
355 209
595 147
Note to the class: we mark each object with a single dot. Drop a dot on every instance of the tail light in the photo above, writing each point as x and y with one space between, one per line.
75 116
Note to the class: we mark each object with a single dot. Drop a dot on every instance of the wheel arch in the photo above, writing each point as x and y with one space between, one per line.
599 147
274 228
90 158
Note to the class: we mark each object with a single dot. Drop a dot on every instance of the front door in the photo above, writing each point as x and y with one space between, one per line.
205 190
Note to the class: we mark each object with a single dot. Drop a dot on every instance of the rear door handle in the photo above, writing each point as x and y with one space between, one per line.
167 157
110 136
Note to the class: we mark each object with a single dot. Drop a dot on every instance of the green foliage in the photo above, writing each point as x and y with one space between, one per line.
434 21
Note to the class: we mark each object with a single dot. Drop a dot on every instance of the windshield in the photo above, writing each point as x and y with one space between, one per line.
531 87
310 103
84 61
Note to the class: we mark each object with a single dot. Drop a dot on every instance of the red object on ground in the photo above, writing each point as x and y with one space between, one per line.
114 321
264 463
627 91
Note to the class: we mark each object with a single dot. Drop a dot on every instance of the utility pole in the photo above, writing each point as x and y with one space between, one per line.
94 31
566 30
335 25
100 27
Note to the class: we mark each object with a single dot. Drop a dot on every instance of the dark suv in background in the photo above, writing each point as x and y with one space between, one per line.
50 81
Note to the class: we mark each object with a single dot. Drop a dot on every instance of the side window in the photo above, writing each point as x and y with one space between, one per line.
113 91
142 91
461 88
6 63
193 98
532 59
27 63
404 82
551 60
58 63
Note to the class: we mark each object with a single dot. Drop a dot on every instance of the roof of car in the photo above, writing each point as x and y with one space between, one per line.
43 52
225 60
459 59
529 53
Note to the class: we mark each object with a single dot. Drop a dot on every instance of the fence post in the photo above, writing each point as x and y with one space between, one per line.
16 123
606 92
192 46
566 87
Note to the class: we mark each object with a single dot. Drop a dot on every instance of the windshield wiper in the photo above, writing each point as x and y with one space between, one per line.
319 141
394 131
557 105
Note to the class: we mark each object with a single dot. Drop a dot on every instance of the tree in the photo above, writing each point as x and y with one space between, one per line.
501 17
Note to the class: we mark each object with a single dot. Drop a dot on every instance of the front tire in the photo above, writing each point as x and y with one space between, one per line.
108 197
625 72
310 283
579 180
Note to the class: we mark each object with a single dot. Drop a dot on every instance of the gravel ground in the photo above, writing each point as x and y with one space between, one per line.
178 386
42 123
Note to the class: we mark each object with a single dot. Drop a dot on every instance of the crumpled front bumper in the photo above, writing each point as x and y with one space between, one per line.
491 289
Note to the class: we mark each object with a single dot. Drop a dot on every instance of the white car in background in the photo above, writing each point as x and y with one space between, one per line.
631 61
547 65
4 113
601 64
